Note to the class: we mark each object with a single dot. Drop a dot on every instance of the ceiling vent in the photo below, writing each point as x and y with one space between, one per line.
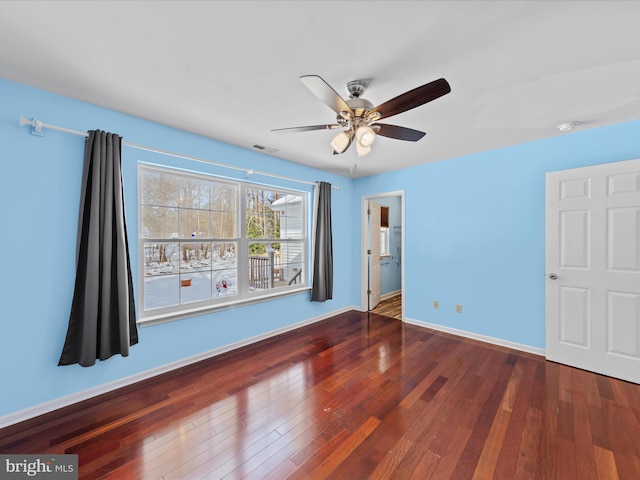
264 149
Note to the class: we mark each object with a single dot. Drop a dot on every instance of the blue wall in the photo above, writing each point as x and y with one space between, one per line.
39 198
475 230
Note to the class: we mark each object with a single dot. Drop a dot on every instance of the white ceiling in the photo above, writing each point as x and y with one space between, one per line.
229 69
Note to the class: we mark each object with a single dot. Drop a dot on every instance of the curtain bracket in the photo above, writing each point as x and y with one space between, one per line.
37 127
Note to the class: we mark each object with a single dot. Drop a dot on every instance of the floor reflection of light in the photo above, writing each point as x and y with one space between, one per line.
272 408
179 445
267 398
226 434
384 360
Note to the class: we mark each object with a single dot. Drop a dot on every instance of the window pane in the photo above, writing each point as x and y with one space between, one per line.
161 291
292 252
223 197
225 283
159 222
195 257
291 258
264 209
292 273
161 258
293 205
195 287
262 271
224 256
263 226
384 241
292 227
223 224
159 188
194 193
292 216
194 224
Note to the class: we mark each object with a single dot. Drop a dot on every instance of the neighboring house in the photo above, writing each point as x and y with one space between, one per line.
290 255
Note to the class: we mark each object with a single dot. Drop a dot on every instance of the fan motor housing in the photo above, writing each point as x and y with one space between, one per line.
359 106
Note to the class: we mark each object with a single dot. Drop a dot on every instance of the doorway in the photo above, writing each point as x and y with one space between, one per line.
392 261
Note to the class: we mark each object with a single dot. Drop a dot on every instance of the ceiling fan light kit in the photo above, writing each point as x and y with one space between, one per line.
362 150
340 142
356 116
365 135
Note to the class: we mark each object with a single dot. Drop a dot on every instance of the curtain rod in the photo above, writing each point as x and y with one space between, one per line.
39 126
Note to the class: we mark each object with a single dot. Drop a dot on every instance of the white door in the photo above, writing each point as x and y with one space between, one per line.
593 268
374 254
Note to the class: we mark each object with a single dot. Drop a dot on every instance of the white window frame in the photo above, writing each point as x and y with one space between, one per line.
244 295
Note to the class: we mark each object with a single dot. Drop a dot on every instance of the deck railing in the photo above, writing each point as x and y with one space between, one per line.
264 270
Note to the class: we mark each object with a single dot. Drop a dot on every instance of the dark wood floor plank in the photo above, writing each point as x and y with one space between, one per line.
358 396
344 450
604 387
426 466
546 465
528 455
605 463
585 459
312 462
566 460
509 456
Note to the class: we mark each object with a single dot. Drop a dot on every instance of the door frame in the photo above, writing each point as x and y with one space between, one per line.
364 238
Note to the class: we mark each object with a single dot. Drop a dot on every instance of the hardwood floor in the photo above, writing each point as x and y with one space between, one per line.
390 307
357 396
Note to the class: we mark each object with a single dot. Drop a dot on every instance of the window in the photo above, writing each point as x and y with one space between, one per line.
384 242
206 242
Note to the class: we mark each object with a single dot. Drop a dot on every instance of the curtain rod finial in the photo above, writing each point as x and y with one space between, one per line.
23 121
37 127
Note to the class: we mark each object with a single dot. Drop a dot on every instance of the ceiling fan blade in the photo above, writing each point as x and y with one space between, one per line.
413 98
324 92
308 128
399 133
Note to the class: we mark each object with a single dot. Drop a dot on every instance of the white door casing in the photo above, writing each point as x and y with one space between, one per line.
593 252
374 254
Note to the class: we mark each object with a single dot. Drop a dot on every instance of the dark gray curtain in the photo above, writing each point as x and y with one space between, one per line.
102 322
322 288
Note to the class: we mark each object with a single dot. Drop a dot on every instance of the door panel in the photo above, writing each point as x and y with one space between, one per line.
574 316
593 248
574 236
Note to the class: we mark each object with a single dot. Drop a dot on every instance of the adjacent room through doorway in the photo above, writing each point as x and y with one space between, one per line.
382 253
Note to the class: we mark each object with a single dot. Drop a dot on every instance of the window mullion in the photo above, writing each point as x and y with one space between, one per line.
243 246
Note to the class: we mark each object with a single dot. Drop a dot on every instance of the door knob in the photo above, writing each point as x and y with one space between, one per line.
553 276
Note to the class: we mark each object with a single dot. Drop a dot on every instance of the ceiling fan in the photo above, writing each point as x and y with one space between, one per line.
357 117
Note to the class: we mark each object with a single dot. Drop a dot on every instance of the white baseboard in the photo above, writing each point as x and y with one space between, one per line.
476 336
390 294
58 403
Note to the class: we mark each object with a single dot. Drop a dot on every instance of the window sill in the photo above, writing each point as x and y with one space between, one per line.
150 320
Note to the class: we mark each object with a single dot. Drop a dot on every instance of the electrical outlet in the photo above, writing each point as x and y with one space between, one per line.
458 308
436 304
